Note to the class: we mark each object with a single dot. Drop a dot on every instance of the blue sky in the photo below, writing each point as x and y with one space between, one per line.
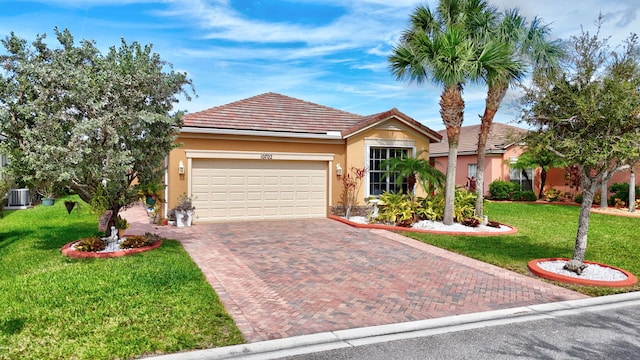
332 52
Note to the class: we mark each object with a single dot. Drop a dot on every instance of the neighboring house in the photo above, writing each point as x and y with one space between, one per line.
503 148
276 157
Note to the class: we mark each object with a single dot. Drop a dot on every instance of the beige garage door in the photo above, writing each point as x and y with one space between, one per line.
253 189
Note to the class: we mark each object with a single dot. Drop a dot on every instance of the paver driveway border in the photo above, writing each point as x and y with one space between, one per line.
280 279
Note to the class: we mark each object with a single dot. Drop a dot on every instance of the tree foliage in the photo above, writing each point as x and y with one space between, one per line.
530 47
94 122
415 170
589 114
441 46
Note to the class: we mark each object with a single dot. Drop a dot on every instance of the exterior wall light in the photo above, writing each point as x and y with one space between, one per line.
180 167
338 170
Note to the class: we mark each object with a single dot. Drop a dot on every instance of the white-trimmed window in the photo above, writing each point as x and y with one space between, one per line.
377 151
522 177
472 170
378 182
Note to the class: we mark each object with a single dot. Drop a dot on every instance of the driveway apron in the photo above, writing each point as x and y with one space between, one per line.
280 279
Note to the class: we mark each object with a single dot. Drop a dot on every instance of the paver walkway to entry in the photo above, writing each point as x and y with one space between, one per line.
286 278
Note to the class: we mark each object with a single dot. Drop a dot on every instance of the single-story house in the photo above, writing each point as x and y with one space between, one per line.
276 157
503 149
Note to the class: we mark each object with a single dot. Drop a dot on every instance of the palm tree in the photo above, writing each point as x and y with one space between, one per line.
526 42
441 47
538 155
415 170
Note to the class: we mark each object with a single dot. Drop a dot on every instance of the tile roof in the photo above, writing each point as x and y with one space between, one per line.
500 137
273 112
279 113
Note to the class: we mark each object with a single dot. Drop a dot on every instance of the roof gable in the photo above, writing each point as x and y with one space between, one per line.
501 136
376 119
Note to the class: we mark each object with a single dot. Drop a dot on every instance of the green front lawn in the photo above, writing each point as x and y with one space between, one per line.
549 231
54 307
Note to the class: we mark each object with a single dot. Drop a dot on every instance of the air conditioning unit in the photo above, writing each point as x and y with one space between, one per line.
19 197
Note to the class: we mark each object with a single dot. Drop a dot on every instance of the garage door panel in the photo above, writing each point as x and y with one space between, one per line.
226 189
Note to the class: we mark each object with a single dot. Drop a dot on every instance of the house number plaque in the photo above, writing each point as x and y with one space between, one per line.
266 156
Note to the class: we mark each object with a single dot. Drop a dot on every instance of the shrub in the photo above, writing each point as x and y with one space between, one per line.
138 241
121 223
471 222
464 205
350 188
92 244
528 195
494 224
397 208
579 197
134 242
502 190
431 208
552 194
621 191
151 238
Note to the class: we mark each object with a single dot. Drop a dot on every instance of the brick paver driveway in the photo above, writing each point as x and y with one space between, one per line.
286 278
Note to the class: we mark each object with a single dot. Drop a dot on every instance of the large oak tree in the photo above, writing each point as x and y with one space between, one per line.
94 122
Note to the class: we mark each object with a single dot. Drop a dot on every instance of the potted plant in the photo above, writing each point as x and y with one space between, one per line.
171 217
150 191
184 211
48 194
121 225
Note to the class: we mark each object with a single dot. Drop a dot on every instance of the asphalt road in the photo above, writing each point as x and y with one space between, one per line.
603 334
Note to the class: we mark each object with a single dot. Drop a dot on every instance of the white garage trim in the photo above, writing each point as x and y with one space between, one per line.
264 155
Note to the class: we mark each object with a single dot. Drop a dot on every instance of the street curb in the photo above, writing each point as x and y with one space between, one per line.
273 349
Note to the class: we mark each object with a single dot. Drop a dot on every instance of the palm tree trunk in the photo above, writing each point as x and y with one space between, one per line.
450 186
452 113
494 97
411 184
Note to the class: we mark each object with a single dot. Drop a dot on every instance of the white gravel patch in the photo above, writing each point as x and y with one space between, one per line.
439 226
591 272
